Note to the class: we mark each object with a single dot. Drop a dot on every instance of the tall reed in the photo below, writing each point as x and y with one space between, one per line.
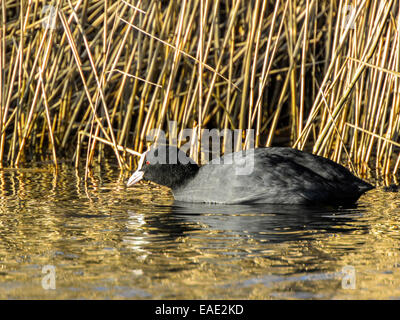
82 78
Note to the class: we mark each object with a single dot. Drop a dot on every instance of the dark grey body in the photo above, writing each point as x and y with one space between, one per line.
278 176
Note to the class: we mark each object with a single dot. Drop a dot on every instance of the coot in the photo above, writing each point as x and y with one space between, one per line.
275 175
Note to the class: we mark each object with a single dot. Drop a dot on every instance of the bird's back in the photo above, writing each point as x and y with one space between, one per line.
273 175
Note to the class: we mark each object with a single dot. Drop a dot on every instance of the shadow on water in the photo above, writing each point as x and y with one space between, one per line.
273 223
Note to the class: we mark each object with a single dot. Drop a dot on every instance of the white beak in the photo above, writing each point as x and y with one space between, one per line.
135 178
137 175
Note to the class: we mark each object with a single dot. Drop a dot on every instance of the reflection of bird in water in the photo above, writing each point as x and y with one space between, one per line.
268 222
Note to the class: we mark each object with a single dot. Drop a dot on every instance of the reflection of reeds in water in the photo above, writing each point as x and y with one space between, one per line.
308 72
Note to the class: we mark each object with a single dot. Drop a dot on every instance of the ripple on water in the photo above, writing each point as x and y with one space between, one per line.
109 241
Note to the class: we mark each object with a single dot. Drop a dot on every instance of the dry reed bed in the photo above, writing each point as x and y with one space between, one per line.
322 75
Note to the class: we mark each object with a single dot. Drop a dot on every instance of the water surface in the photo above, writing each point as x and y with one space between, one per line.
106 241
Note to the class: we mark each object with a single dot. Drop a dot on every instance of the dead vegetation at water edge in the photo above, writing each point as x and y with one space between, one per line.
97 76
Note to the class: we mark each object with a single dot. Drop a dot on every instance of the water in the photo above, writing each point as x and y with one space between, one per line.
111 242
